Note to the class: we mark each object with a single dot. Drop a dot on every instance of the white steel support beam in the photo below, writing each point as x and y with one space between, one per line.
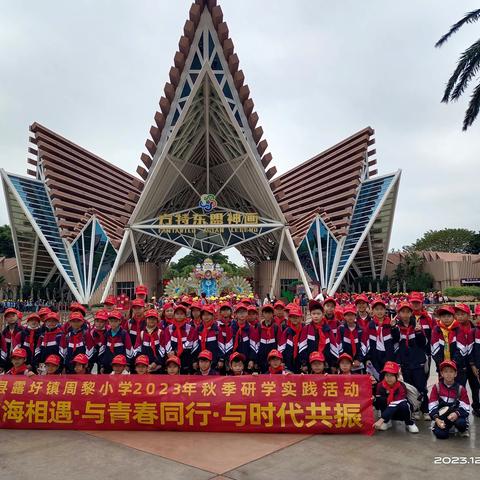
34 260
277 263
135 257
370 253
298 264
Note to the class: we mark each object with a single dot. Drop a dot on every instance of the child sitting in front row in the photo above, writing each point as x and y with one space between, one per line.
317 363
449 405
173 365
237 363
391 399
119 365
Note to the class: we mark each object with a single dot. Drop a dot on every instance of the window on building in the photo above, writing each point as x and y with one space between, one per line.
126 288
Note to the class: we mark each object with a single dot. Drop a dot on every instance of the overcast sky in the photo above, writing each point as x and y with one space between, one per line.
318 71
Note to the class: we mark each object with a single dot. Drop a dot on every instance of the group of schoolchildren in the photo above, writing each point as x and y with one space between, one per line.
191 337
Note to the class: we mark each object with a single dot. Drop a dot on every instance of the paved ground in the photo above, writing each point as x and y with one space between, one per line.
46 455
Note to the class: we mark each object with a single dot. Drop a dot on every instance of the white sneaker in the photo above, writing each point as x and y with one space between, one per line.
385 426
465 434
417 415
426 417
412 428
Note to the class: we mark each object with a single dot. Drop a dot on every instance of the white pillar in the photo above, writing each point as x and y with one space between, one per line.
277 263
298 264
135 257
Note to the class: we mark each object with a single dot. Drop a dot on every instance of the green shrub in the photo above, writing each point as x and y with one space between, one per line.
454 292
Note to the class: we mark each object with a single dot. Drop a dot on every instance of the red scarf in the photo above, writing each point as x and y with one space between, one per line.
278 320
352 335
238 336
178 334
407 331
18 371
203 335
296 337
276 370
322 340
269 331
391 390
31 340
152 338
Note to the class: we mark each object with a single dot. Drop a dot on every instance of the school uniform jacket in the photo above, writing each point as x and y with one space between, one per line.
76 342
50 342
292 343
135 326
98 340
427 323
245 340
28 340
384 343
152 344
116 344
443 395
9 338
476 347
354 342
333 323
319 339
270 337
226 339
381 396
178 336
206 338
456 348
412 346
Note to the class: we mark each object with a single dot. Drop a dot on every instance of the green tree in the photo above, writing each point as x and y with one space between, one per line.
6 242
454 240
464 73
410 271
474 246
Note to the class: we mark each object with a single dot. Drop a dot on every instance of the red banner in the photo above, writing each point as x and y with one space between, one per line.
264 403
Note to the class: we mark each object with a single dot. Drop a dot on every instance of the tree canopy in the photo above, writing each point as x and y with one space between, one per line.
454 240
6 242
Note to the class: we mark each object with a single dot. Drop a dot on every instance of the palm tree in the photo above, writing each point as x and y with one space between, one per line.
467 67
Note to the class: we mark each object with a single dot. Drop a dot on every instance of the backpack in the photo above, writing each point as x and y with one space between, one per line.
414 396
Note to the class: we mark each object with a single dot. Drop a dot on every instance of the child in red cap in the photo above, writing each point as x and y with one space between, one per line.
270 335
245 338
178 336
345 364
77 339
294 341
19 358
275 363
151 342
237 364
172 365
119 365
117 342
51 341
205 363
80 364
52 365
28 339
392 400
12 328
97 336
449 405
141 365
317 363
136 322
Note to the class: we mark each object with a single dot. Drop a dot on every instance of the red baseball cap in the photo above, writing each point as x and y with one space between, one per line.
252 308
197 305
33 316
268 306
477 309
275 354
416 297
138 302
101 315
279 304
52 316
209 309
168 305
463 307
80 358
316 357
110 300
350 309
205 354
152 313
448 363
78 307
240 306
76 316
142 360
19 352
345 356
446 309
53 359
11 310
115 314
141 290
361 298
404 305
329 299
391 367
174 359
237 356
119 360
186 300
225 305
44 311
181 307
377 301
295 311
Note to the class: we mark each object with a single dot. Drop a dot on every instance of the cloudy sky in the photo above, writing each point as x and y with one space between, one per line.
318 71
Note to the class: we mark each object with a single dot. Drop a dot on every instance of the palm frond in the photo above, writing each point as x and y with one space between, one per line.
473 108
470 17
462 63
472 57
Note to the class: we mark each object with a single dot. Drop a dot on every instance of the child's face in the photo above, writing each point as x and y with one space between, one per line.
295 320
446 319
51 368
268 316
204 364
169 312
99 324
252 316
275 362
225 312
279 312
151 322
17 361
242 315
329 307
462 317
114 323
379 310
361 306
11 318
404 315
345 366
390 378
317 316
117 368
350 319
76 324
317 367
417 306
196 312
141 369
172 368
207 317
33 324
179 315
79 368
109 307
51 324
448 374
237 367
137 312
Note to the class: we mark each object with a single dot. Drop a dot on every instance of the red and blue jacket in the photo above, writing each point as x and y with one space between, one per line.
270 336
79 341
319 338
456 347
245 340
206 338
152 344
50 342
412 346
116 343
28 340
444 395
178 337
354 342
